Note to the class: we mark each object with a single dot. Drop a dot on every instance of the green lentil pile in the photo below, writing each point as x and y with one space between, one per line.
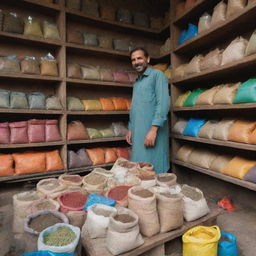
60 237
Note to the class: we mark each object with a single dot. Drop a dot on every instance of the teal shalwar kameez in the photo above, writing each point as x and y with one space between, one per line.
150 106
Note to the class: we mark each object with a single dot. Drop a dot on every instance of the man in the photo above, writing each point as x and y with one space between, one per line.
148 124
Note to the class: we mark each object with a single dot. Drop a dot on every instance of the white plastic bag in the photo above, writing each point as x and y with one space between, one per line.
204 22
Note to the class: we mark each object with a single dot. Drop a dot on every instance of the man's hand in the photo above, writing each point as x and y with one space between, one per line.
129 137
150 138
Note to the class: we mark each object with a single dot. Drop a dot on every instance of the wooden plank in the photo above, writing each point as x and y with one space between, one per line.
89 168
32 145
217 142
29 77
96 247
125 112
31 111
242 183
96 140
42 4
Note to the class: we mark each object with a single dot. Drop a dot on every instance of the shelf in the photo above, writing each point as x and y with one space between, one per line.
217 33
118 25
41 3
29 77
242 183
230 69
230 144
88 168
195 11
125 112
216 107
30 145
31 111
97 83
96 140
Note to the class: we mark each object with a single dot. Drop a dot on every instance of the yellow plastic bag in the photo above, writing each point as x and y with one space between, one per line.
201 241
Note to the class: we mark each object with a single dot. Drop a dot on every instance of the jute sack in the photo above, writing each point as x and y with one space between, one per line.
97 220
49 186
235 51
170 210
211 59
226 94
143 203
240 131
207 130
184 153
235 6
94 181
194 203
206 97
219 163
44 204
202 158
181 99
123 233
219 13
179 126
70 180
194 65
166 179
222 129
251 47
76 218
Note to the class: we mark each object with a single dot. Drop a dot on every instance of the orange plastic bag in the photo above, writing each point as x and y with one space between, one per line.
97 155
123 152
107 104
128 103
77 131
53 161
29 162
119 104
110 155
252 137
189 4
6 165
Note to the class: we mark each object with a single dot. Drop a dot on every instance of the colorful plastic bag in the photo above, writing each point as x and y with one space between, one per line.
246 92
227 245
98 199
192 97
193 126
47 253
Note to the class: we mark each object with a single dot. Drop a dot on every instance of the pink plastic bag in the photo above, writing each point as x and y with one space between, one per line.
52 132
121 77
4 133
36 130
132 76
19 132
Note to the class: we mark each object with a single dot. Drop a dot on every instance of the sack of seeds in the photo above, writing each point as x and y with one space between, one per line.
49 186
166 179
195 205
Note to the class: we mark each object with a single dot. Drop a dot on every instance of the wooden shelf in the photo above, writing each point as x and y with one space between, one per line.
215 107
89 168
29 77
242 183
31 111
219 72
125 112
96 140
217 33
97 83
42 4
30 145
221 143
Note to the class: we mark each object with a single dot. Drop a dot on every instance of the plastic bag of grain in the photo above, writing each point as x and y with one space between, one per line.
143 203
51 31
74 70
124 15
194 65
90 72
48 66
207 130
206 97
90 8
44 204
194 203
49 186
179 72
12 23
222 129
181 99
30 65
32 27
97 221
52 102
170 211
219 163
219 13
74 104
202 157
9 63
119 128
235 6
235 50
251 47
123 233
166 179
184 153
107 12
204 22
70 180
226 94
211 59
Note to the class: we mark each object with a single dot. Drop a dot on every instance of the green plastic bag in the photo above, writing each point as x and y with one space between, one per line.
94 133
192 97
107 132
246 92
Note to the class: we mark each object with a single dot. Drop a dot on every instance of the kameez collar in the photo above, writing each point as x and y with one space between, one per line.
146 73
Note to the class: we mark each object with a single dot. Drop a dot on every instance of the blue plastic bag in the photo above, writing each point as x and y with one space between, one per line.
182 37
193 126
98 199
192 31
47 253
229 247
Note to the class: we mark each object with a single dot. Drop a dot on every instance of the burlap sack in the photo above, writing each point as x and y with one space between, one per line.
4 99
74 104
211 60
90 73
219 163
240 131
106 74
181 99
47 187
107 12
207 129
193 66
179 72
251 47
122 45
49 68
235 51
76 131
30 66
219 13
179 126
238 167
166 179
70 180
106 133
44 204
74 70
94 181
235 6
226 94
90 39
202 158
204 22
222 129
206 97
184 153
143 203
107 104
12 23
96 155
9 64
170 211
76 218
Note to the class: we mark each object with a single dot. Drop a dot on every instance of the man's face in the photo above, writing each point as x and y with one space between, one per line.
139 61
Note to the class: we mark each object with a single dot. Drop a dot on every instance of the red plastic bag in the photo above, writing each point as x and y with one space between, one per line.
36 130
226 204
52 132
4 133
19 132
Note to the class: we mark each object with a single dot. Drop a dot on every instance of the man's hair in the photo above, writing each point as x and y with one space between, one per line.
139 49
